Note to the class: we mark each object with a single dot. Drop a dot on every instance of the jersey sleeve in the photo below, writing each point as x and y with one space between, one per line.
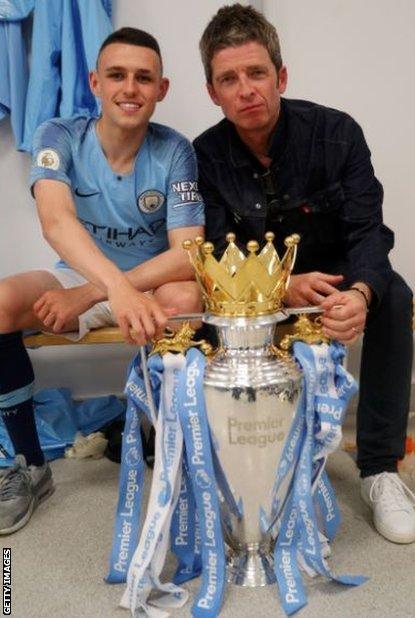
184 203
51 154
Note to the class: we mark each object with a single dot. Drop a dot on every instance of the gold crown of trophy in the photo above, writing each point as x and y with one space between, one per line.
251 389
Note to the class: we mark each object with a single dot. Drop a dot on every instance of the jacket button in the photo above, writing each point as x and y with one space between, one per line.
256 175
285 197
258 206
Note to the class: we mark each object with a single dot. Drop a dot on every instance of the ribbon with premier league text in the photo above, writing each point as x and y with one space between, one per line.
199 459
183 507
149 556
126 527
181 414
315 433
185 533
125 536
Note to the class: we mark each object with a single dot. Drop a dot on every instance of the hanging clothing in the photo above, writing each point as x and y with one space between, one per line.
15 10
67 35
13 64
107 4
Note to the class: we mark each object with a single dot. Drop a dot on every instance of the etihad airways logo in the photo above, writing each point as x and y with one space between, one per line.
127 237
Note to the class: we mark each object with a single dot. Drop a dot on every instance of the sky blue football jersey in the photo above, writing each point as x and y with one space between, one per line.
127 215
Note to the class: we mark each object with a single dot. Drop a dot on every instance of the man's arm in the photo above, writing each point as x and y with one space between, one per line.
62 230
367 244
171 265
132 309
367 240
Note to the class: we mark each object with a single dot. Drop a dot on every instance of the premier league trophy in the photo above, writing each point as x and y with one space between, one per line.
251 390
238 442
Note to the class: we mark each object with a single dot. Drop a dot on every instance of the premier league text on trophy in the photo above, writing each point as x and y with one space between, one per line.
7 581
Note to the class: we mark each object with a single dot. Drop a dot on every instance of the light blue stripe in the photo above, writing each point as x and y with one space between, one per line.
7 400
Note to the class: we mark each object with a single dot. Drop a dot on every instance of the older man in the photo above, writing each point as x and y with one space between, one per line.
296 166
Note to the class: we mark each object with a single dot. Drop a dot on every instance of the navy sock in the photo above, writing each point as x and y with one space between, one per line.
16 403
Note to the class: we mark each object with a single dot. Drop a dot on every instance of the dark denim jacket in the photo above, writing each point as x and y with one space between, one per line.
326 191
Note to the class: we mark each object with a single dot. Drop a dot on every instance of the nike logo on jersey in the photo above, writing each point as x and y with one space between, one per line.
77 192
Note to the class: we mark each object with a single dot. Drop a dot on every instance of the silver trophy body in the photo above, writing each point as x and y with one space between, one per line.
251 398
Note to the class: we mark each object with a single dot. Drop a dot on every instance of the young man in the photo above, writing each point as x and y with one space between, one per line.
116 196
295 166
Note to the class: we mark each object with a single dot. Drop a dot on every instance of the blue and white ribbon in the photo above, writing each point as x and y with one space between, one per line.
199 459
181 414
127 519
330 518
149 557
185 534
333 390
299 530
184 494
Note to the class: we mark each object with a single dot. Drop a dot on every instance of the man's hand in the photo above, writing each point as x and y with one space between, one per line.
138 315
310 288
344 316
59 309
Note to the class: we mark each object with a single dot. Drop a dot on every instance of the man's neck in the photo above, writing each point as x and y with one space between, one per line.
120 146
258 142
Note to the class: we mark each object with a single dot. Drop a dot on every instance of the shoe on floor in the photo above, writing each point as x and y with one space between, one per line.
393 506
22 488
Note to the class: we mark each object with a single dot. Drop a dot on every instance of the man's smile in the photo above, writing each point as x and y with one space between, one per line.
129 106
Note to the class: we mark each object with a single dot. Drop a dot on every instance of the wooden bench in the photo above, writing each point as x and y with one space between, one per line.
107 334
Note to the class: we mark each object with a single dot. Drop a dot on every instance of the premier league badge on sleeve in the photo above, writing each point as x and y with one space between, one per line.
48 158
150 201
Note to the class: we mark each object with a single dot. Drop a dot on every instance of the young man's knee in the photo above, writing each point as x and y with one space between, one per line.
184 296
8 308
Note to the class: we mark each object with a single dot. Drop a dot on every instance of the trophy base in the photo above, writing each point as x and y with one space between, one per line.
250 568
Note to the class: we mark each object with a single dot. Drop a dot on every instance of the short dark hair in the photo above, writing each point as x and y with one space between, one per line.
235 25
132 36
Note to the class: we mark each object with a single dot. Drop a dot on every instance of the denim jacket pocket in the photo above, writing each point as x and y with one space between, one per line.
316 217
